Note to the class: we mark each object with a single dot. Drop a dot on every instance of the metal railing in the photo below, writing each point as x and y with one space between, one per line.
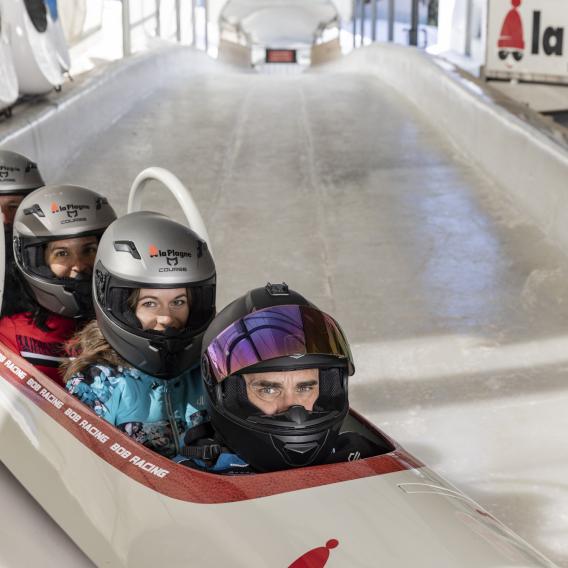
156 15
359 13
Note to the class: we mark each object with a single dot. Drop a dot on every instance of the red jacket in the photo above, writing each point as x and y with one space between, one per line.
43 349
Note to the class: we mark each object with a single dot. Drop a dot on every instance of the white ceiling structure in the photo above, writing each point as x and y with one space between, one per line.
280 23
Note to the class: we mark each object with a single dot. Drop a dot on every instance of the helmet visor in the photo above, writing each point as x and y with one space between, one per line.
54 259
271 333
122 301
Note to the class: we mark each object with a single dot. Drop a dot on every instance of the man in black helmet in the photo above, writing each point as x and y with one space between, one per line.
275 369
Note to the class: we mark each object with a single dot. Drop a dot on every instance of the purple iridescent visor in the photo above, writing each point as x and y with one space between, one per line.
280 331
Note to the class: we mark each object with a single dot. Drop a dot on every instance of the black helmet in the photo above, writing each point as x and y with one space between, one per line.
54 213
275 329
149 250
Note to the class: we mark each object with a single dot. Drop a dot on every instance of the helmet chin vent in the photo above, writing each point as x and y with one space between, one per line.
298 453
300 448
297 414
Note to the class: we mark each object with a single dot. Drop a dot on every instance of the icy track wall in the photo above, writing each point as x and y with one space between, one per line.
521 152
54 131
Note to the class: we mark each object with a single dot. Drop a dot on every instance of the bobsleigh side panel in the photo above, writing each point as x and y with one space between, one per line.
161 474
405 517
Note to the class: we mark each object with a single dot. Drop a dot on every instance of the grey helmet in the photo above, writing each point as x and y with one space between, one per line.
149 250
18 174
53 213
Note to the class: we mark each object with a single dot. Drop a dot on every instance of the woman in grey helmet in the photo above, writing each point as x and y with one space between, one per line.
154 296
55 237
19 176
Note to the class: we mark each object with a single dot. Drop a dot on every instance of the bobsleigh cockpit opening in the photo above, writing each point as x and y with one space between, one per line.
379 444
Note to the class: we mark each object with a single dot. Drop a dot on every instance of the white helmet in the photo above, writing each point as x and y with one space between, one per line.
54 213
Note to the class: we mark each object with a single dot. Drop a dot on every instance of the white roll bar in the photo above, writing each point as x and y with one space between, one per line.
181 193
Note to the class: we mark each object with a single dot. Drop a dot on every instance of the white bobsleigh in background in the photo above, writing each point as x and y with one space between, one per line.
55 30
72 14
80 18
34 53
8 78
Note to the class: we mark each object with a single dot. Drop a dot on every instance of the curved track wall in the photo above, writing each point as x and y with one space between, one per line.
519 149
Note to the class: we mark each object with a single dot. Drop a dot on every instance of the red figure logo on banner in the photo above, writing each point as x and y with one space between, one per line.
317 557
511 40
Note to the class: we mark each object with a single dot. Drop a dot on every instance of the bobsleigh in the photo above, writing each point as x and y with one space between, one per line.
72 14
8 78
80 18
55 30
33 49
127 506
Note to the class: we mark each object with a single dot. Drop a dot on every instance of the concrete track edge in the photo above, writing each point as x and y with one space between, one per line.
522 152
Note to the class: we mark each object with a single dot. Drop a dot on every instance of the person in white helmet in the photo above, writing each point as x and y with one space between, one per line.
55 239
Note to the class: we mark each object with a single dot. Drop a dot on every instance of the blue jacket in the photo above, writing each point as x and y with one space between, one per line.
228 463
154 412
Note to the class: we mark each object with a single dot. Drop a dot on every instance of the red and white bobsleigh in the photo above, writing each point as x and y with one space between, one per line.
127 506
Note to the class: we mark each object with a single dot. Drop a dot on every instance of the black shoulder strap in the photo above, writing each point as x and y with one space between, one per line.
202 452
196 433
200 443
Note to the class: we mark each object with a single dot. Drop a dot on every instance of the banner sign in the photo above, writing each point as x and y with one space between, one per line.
526 39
